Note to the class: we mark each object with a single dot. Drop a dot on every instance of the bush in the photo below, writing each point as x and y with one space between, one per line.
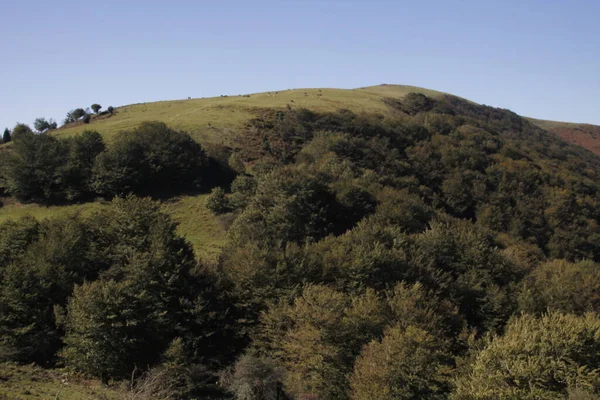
110 109
96 107
87 118
217 201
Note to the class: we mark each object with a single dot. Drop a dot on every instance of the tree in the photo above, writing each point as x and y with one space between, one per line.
105 327
563 286
83 150
150 159
35 167
317 338
96 107
253 377
78 113
408 363
40 278
87 118
110 109
290 205
20 129
536 358
42 125
6 137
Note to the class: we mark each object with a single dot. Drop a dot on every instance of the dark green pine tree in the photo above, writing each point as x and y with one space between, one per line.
6 137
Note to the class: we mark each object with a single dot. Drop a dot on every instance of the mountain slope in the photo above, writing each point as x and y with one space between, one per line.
342 225
584 135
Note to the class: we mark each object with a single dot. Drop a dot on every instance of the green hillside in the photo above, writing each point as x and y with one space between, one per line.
376 243
219 119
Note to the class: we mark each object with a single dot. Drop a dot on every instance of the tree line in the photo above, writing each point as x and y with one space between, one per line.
147 160
43 125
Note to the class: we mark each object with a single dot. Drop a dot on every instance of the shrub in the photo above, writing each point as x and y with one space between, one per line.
110 109
96 107
217 201
87 118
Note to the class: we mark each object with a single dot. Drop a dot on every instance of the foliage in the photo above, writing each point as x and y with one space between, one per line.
96 107
6 136
537 358
34 169
372 252
110 110
150 159
20 129
46 169
42 125
217 201
105 330
408 363
253 378
563 286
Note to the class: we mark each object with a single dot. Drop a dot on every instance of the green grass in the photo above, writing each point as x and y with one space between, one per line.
219 119
30 382
14 210
196 223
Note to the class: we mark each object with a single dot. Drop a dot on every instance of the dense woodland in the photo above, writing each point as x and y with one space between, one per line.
446 250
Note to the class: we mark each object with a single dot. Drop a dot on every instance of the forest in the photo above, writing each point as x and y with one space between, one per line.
444 250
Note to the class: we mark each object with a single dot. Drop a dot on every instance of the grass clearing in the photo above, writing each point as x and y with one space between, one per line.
25 382
196 223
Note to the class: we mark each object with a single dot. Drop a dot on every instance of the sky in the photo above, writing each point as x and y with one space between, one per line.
539 58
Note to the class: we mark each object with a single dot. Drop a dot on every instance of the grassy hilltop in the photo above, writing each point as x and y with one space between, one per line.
219 119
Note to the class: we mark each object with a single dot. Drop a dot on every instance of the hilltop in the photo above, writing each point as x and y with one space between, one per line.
219 119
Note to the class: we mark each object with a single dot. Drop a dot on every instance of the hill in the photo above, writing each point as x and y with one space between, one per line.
219 119
584 135
372 243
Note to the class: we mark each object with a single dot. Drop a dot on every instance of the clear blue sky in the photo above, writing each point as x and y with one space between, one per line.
540 58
